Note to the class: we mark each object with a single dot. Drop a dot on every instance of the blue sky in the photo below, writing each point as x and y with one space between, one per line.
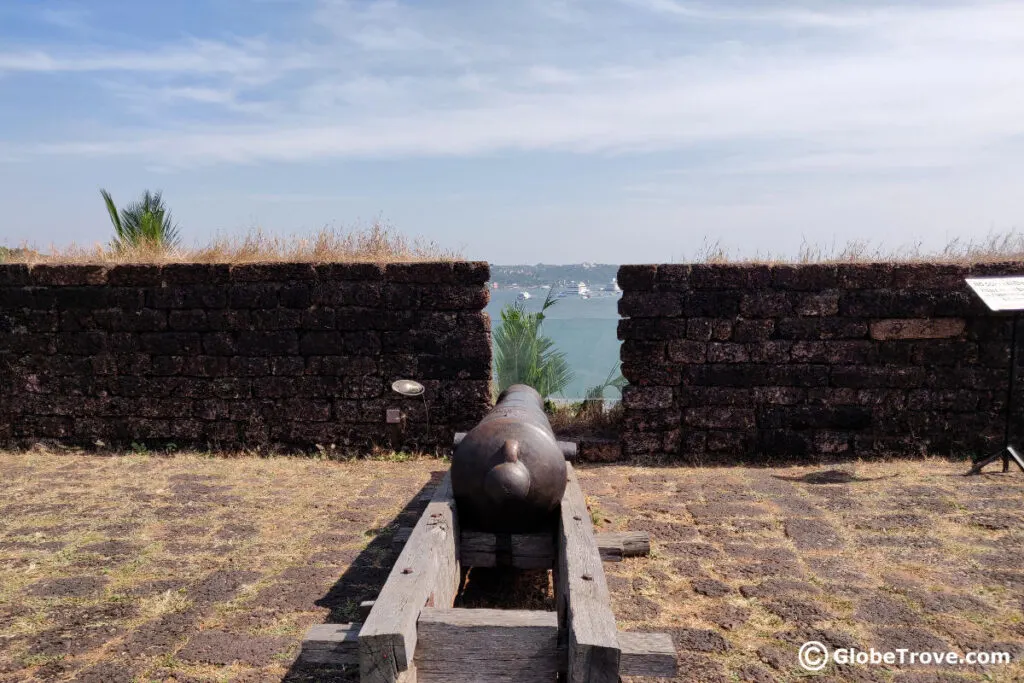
529 131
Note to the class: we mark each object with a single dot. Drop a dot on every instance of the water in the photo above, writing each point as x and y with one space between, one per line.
585 329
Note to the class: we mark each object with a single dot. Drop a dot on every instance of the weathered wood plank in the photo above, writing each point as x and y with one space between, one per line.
426 572
584 603
523 551
615 545
647 654
484 645
331 644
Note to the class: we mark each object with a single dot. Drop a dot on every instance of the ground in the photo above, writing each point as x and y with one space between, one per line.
146 567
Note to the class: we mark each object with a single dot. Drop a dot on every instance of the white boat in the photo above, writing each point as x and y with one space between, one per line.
582 290
523 296
612 286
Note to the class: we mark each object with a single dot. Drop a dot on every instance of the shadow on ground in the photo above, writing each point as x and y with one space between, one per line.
363 580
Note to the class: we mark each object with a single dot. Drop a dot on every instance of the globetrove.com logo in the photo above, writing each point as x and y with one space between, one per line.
814 656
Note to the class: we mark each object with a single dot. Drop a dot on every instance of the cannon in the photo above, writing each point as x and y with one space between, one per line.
508 472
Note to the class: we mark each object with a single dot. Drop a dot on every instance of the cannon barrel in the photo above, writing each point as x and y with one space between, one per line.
508 472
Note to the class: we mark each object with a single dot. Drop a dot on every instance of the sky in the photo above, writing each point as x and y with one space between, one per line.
554 131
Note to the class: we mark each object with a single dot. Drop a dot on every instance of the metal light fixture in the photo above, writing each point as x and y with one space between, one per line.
410 388
407 387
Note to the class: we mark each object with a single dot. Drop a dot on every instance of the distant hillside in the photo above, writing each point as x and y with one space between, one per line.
544 274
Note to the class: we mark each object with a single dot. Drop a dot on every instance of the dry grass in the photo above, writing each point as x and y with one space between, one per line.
378 243
586 419
993 248
151 531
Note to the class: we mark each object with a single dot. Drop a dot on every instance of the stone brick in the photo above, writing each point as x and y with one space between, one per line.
267 343
727 353
642 351
866 376
650 305
674 273
716 304
271 272
659 373
14 275
355 272
753 330
472 272
725 276
766 304
810 277
652 329
647 397
65 275
195 274
776 351
685 351
719 417
935 328
134 275
637 278
821 328
699 329
721 330
819 304
865 275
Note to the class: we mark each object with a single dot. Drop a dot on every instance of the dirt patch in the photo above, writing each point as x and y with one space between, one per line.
108 672
159 635
829 637
728 617
994 521
112 551
220 647
775 588
890 522
910 637
697 551
796 611
236 532
698 640
710 587
796 506
663 531
812 534
145 589
634 607
219 586
900 542
880 608
715 513
68 587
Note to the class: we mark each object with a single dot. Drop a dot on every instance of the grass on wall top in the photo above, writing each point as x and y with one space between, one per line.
993 248
379 243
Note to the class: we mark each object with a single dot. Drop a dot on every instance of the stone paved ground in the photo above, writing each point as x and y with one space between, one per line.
196 569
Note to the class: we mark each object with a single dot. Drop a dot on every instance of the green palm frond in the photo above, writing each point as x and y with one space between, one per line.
146 222
524 355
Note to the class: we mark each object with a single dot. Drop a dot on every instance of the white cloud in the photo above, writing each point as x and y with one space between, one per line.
908 86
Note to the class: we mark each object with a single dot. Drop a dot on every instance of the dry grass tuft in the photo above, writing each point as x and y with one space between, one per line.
586 419
993 248
378 243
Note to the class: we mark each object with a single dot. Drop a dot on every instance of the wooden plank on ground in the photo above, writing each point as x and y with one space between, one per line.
425 573
475 645
523 551
615 545
335 644
647 654
584 603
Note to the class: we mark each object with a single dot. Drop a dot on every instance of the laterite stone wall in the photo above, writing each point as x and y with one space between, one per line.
761 363
256 354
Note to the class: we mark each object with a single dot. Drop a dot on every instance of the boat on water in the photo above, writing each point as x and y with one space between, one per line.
582 290
523 296
612 286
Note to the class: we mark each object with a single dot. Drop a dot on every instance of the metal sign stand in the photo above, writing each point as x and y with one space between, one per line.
1002 294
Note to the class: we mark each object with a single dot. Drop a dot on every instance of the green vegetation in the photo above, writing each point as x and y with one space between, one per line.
524 355
593 401
145 223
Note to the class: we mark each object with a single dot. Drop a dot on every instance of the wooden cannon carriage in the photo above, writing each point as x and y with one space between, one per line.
412 634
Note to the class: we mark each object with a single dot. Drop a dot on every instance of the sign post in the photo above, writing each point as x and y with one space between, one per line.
1003 294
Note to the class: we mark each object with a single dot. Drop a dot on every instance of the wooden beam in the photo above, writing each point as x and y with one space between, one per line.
425 573
615 545
335 644
585 611
523 551
475 645
647 654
